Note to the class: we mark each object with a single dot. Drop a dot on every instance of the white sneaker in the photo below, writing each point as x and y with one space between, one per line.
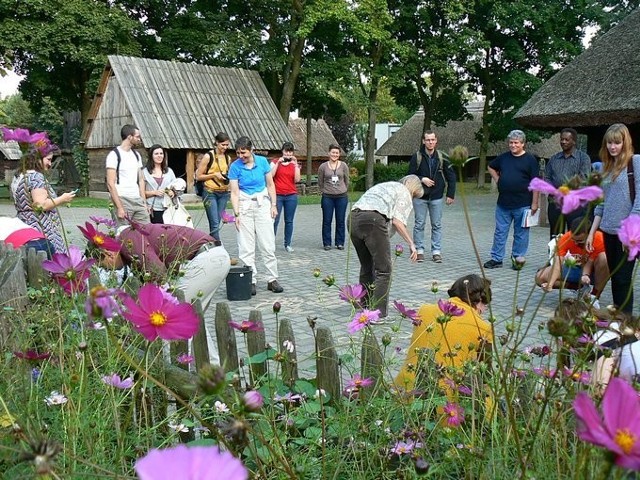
289 248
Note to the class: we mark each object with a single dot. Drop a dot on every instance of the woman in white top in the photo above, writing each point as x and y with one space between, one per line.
157 178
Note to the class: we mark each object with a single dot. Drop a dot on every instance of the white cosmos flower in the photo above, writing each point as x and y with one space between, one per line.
56 398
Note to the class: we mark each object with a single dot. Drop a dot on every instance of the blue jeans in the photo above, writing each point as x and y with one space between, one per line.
504 217
329 206
435 216
214 205
289 203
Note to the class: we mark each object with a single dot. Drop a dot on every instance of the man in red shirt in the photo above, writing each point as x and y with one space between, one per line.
572 265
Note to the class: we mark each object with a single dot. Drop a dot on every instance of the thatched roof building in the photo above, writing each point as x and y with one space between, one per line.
180 106
406 141
321 138
597 88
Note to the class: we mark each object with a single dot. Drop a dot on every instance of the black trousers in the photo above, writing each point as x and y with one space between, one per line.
621 273
369 231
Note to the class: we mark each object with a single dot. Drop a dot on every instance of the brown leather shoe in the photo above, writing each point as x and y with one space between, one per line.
437 258
420 258
274 286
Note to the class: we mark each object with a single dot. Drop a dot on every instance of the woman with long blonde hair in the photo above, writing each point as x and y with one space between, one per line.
617 156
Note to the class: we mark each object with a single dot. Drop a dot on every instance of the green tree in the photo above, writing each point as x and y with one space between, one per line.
522 42
435 43
61 46
15 112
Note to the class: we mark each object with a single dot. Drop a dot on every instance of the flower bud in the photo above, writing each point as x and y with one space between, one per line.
211 379
276 307
316 272
386 340
253 400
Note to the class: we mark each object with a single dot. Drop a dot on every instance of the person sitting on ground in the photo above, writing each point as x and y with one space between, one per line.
572 265
464 337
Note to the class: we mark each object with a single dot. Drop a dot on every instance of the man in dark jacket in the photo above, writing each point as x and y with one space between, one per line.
435 173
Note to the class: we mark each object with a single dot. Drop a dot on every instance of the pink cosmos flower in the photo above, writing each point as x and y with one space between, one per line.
227 217
357 383
154 316
618 430
99 239
26 139
454 414
114 380
577 376
544 372
568 199
407 313
101 303
71 271
629 235
247 326
352 293
450 308
362 319
399 249
190 463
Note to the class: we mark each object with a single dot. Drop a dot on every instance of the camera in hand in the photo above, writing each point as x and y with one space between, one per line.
225 178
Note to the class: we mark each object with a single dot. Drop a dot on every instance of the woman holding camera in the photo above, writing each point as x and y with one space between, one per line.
286 173
213 170
333 181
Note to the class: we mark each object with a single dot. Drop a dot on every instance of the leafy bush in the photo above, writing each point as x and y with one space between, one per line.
381 173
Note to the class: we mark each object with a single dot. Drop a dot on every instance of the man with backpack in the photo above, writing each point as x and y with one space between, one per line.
125 180
435 173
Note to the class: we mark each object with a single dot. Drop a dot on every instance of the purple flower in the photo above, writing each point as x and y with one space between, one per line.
544 372
362 319
227 217
404 448
629 235
352 293
35 374
247 326
27 140
32 355
190 463
184 359
101 303
454 414
568 199
617 429
450 308
288 397
114 380
153 316
541 350
577 376
69 270
464 390
253 400
407 313
357 383
399 249
107 222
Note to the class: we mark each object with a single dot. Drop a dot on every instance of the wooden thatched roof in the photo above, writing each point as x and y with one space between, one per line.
599 87
406 141
182 105
10 150
321 137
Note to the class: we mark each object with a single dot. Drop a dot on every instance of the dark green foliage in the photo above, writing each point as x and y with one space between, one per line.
381 173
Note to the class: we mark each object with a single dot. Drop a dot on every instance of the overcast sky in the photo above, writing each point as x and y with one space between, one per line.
9 84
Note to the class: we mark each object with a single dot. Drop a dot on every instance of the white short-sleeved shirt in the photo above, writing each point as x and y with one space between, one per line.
130 165
391 199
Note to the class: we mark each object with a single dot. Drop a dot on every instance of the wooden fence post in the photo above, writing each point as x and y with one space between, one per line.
371 359
179 347
36 275
327 366
256 343
199 342
13 289
226 338
290 366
